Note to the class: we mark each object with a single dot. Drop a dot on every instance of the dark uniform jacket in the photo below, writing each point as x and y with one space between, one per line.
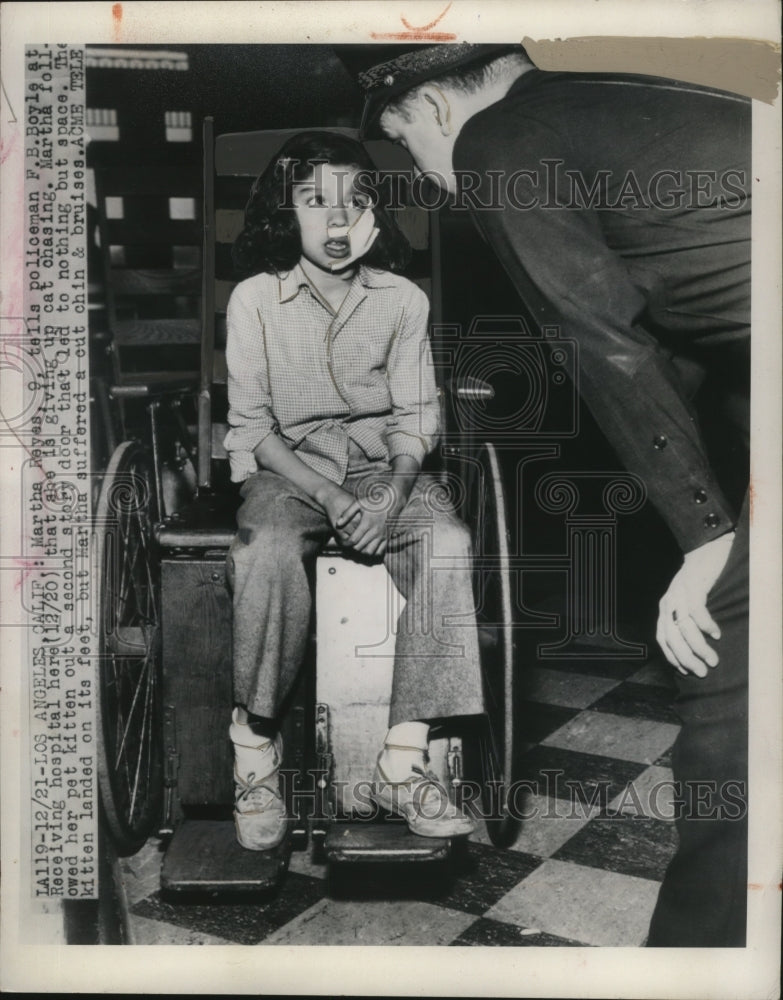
620 207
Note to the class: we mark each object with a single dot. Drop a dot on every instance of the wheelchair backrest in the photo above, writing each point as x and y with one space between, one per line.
150 229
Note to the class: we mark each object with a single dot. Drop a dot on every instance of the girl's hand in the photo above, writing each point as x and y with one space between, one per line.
338 504
369 535
362 234
377 512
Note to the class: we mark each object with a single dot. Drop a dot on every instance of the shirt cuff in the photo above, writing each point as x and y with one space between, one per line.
241 445
243 465
693 528
696 511
403 443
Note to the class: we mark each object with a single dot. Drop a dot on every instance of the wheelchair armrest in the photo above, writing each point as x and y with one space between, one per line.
146 385
209 521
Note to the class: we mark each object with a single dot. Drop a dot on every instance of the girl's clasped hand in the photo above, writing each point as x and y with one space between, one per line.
367 525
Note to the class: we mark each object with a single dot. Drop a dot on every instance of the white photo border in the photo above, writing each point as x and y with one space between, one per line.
713 973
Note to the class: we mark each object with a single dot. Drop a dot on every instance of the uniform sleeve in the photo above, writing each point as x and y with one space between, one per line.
250 414
412 428
559 261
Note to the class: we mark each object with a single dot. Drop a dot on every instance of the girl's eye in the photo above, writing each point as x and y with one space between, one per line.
360 201
316 201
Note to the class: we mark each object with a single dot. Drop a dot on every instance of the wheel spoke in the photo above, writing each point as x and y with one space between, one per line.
129 768
128 574
122 596
134 701
142 739
486 510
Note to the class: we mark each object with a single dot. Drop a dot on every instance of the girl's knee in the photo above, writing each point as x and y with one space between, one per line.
268 543
450 536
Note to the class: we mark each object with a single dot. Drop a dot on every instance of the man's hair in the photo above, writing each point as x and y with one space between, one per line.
466 80
270 241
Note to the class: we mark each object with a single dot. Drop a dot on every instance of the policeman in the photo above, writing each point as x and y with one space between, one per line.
621 206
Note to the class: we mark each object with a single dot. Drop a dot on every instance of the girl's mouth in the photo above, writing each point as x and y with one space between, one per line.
337 247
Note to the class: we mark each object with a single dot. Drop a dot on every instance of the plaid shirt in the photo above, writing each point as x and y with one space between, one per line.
318 379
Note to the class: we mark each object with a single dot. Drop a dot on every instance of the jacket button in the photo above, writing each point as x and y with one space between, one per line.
660 441
711 521
699 496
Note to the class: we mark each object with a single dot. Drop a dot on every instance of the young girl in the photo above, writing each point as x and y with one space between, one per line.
332 408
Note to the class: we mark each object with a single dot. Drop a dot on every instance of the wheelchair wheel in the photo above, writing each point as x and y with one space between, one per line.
485 513
129 702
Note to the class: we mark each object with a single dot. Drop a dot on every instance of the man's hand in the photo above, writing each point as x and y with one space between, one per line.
683 619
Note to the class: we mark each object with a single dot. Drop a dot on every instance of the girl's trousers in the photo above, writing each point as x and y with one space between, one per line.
271 565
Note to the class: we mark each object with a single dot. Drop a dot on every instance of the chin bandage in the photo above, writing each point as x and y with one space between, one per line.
361 236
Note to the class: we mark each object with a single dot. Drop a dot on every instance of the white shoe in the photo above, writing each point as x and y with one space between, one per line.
423 802
259 811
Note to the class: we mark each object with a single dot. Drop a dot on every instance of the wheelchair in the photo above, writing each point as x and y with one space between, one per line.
164 521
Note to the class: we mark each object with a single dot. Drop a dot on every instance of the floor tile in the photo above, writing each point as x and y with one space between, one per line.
485 874
373 922
656 673
630 845
642 701
302 863
570 690
244 922
487 933
428 881
618 670
577 777
614 736
548 824
651 794
147 931
535 720
581 904
141 871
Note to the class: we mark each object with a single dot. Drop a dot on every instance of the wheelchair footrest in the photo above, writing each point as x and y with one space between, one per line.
382 842
204 856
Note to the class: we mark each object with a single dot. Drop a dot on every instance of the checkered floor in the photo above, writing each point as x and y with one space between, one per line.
584 870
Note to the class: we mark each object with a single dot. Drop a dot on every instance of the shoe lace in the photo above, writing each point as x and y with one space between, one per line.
428 781
263 791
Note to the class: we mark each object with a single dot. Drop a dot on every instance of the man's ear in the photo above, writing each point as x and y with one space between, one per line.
438 106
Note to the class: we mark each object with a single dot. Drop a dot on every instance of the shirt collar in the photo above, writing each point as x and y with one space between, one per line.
290 282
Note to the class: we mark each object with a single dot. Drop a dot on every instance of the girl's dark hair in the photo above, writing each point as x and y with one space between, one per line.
270 241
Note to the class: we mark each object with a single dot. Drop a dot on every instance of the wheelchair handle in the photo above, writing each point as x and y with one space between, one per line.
469 387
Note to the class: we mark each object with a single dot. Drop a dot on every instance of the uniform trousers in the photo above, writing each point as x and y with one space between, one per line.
271 569
702 901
